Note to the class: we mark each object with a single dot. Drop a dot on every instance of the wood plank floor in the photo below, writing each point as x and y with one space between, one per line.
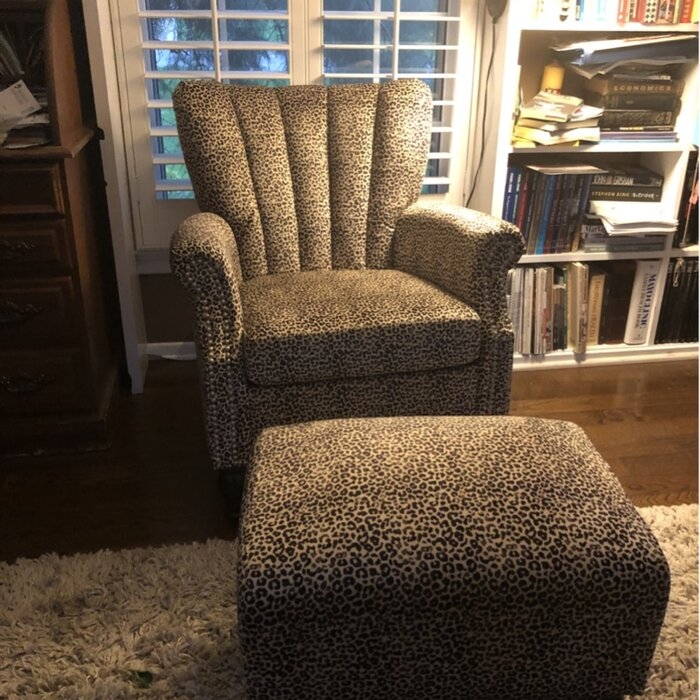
153 486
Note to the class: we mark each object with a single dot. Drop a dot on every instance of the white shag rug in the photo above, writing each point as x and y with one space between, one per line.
159 622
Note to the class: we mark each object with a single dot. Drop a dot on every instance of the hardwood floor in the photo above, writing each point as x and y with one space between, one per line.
154 486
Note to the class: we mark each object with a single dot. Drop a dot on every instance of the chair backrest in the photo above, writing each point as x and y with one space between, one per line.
308 176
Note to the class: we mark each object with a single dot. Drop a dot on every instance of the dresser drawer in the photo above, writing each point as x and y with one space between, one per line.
31 188
39 382
34 246
37 313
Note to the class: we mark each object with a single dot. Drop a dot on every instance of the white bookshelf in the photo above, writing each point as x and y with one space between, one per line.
521 53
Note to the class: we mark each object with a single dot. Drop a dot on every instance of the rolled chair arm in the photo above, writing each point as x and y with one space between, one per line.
204 257
463 251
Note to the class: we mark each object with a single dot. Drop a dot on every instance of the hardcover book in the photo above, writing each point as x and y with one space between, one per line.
664 102
616 118
617 301
626 193
629 175
639 317
615 84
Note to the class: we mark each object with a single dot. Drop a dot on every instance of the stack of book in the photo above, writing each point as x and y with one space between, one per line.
547 202
635 81
678 320
578 305
595 239
551 119
627 183
638 104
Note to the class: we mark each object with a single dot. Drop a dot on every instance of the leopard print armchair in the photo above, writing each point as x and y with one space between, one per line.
321 288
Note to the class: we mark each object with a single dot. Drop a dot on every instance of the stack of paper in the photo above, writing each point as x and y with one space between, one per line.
626 218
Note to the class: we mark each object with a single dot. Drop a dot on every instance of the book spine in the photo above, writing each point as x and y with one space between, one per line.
628 180
636 117
639 315
616 86
650 11
635 101
666 12
626 194
595 307
686 11
622 11
546 213
509 194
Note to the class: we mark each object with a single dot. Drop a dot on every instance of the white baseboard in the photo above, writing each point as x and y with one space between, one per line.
172 351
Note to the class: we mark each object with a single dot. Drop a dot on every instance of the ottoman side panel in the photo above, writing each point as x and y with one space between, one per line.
443 557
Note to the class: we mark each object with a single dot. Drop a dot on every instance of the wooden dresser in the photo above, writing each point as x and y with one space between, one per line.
58 342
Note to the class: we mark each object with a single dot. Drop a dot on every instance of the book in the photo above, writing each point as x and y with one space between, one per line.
626 85
685 14
647 119
550 107
639 133
577 305
573 123
596 291
626 193
548 138
679 305
629 175
634 100
641 301
650 9
618 291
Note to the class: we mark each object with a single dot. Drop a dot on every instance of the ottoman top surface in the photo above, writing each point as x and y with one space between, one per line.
503 490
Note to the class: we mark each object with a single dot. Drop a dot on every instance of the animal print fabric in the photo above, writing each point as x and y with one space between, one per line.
332 324
271 206
245 148
454 557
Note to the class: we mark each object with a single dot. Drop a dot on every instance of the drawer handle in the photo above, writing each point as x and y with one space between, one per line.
14 251
13 313
24 383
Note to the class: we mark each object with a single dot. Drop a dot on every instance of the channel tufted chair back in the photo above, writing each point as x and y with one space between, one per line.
321 288
308 177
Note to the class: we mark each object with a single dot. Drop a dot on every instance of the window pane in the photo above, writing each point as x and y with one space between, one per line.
162 88
357 60
421 61
165 5
264 82
422 5
161 117
172 29
254 30
422 32
255 60
350 5
254 5
328 80
179 60
358 31
166 146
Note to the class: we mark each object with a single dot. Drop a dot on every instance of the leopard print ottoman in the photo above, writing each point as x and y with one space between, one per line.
443 557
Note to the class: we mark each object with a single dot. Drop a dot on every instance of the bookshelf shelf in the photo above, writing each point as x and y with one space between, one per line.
520 56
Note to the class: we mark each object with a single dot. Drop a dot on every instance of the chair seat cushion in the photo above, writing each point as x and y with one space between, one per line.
330 324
